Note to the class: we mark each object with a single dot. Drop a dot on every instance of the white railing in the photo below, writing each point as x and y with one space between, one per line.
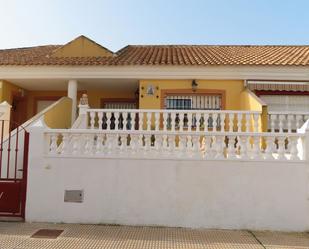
184 145
173 120
286 121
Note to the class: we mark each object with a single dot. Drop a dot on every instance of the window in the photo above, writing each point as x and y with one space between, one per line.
286 102
119 105
193 102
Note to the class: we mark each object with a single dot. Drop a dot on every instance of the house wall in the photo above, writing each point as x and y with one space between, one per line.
249 101
57 116
223 194
6 91
232 88
32 96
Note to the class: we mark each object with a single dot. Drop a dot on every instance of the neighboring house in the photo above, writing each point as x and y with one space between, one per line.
174 135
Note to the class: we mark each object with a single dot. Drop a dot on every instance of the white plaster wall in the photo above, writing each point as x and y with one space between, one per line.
238 195
208 194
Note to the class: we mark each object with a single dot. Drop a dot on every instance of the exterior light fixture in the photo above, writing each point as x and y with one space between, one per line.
194 85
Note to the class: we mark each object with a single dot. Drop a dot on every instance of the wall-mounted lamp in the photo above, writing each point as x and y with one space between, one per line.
194 85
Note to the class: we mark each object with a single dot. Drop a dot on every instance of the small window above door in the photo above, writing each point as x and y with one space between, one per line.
118 104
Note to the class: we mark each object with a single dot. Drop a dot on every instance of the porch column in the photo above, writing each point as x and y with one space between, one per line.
72 93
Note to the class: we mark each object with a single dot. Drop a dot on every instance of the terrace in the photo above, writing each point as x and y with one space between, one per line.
179 134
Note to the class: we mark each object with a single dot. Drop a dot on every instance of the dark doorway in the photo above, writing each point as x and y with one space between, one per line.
19 111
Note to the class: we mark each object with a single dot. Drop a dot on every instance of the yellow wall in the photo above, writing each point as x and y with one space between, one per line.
6 91
81 47
59 115
249 101
232 88
94 97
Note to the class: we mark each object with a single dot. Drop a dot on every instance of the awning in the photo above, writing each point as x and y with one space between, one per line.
278 85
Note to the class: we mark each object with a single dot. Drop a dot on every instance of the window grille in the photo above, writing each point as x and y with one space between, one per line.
193 102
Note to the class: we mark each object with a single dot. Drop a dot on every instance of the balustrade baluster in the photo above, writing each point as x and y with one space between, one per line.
189 145
182 147
53 145
290 118
214 121
273 118
165 117
281 147
196 150
147 146
244 142
206 121
88 144
269 142
173 121
198 121
256 122
65 145
140 121
171 144
133 117
75 144
230 152
100 120
256 147
247 122
205 147
298 121
92 119
189 115
99 144
181 121
158 143
231 122
222 117
149 118
134 147
125 121
117 119
281 119
293 148
239 122
157 120
108 120
218 146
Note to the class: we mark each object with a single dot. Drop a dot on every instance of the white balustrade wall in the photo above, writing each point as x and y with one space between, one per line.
173 120
168 144
286 121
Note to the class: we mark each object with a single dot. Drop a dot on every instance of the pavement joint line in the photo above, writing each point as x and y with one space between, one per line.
260 242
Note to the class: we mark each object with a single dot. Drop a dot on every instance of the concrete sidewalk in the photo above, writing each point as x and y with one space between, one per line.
17 235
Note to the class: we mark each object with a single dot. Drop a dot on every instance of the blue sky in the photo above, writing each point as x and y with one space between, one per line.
116 23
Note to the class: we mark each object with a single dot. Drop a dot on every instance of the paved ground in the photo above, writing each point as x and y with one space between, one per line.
17 236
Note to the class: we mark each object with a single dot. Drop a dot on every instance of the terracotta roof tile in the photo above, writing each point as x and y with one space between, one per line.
135 55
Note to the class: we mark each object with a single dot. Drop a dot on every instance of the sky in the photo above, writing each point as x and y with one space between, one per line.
117 23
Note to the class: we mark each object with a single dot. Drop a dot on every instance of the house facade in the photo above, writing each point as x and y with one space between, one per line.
155 77
173 135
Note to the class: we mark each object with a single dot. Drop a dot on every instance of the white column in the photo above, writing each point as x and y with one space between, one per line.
72 93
